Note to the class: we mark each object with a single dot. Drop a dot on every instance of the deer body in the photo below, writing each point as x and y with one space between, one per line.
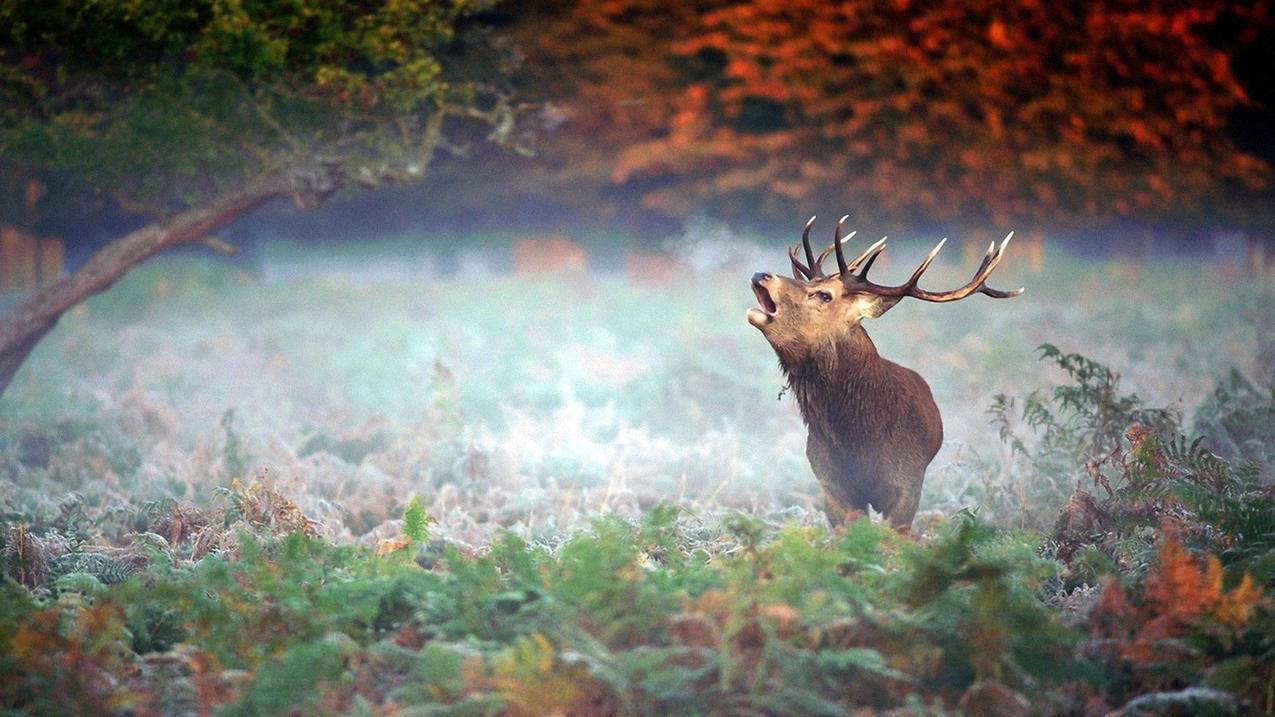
874 429
873 424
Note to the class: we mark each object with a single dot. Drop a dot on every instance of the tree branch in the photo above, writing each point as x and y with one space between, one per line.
218 245
136 206
501 118
24 326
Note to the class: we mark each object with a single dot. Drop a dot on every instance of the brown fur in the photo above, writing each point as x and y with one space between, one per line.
874 426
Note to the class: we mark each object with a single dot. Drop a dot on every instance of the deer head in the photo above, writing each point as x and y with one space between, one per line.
812 311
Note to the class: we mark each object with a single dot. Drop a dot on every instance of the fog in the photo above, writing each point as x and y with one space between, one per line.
532 383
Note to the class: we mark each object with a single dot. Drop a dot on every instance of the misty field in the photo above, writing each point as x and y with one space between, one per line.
282 425
361 377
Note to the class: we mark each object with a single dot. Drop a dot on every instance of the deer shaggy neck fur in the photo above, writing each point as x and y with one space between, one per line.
874 426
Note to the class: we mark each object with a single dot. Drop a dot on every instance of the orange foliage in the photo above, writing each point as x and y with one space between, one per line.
978 111
1179 596
533 678
80 658
548 257
655 269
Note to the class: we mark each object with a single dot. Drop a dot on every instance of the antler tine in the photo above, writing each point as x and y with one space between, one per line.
871 260
836 243
810 254
988 256
823 255
799 270
810 270
925 265
994 255
990 261
997 294
993 258
869 255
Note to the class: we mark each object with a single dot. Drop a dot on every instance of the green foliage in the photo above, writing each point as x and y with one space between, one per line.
1068 427
1165 506
1166 481
1150 476
288 682
415 521
1085 417
163 101
639 615
234 456
1239 418
102 568
977 589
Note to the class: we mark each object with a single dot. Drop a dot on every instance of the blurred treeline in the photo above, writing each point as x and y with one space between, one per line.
1066 116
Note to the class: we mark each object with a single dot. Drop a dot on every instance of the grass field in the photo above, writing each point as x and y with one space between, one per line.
548 429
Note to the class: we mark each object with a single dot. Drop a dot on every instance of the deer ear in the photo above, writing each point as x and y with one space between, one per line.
871 307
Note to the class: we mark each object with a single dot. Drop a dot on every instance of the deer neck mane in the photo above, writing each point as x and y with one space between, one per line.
836 383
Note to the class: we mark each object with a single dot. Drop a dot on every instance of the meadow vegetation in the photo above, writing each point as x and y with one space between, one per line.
399 483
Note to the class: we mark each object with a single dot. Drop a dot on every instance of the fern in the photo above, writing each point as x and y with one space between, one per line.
1056 436
1239 418
234 454
1216 507
415 521
106 569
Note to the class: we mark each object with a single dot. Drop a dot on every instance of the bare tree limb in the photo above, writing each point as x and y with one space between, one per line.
25 325
219 246
136 206
502 119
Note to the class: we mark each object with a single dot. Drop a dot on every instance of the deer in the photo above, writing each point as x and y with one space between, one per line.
873 426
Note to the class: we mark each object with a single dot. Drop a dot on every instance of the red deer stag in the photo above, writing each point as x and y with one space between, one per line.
873 425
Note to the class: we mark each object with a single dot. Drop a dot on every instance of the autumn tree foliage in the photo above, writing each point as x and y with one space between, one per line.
966 112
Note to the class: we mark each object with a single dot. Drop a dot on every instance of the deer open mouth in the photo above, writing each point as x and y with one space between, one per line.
763 298
761 316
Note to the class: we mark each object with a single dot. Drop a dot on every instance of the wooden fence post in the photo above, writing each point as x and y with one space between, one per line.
28 262
17 260
52 256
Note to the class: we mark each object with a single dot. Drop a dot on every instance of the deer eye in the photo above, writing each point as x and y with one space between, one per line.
823 296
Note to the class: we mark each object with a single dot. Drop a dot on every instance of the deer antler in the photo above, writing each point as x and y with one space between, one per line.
835 246
813 268
991 259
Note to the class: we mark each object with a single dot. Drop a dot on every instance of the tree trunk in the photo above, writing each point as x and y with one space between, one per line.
23 327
